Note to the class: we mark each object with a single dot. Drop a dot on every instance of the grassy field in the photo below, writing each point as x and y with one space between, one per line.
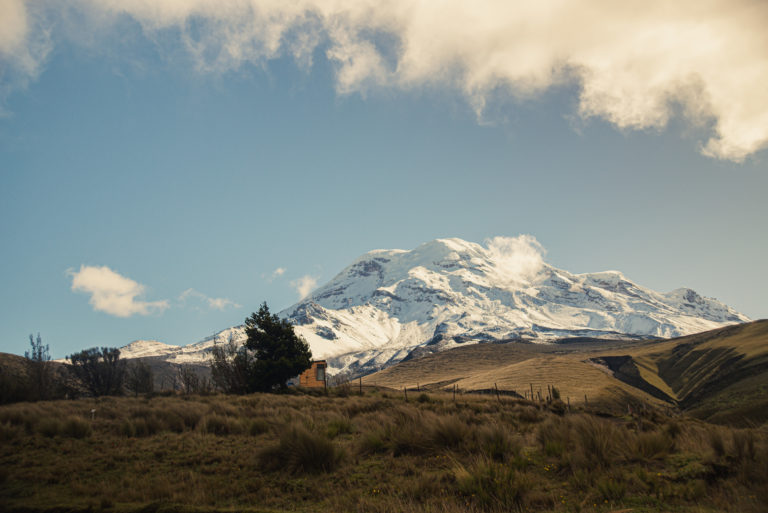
721 375
376 452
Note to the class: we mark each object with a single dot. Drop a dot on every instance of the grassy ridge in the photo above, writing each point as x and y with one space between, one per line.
720 375
375 452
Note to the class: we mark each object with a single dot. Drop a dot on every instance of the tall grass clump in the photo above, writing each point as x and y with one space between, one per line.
75 427
653 445
496 443
220 425
49 427
492 485
554 436
447 432
302 452
338 426
597 442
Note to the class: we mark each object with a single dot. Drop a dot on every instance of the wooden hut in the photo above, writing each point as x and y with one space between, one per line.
314 377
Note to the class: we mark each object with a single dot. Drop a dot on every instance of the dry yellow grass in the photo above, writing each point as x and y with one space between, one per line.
687 369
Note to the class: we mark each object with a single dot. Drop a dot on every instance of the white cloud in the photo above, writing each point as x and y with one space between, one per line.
304 285
277 273
635 63
113 293
214 303
517 259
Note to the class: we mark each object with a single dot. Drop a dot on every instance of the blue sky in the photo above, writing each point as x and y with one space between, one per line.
193 174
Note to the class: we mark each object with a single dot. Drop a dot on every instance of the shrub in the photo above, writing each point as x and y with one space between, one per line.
302 452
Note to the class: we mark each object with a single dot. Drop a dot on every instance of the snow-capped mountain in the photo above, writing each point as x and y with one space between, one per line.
392 304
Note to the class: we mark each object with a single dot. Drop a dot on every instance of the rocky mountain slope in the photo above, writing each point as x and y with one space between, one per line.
391 305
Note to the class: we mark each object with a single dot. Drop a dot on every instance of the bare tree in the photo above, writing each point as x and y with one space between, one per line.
39 369
101 371
139 378
230 366
190 381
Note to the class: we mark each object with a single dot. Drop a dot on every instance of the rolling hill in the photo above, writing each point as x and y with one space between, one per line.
719 375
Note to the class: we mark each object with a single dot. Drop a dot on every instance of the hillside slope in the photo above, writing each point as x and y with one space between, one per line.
720 375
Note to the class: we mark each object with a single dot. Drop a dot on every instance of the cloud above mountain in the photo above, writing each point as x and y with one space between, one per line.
195 297
636 64
304 285
516 259
114 293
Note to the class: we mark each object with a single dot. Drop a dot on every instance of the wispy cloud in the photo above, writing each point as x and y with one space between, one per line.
516 259
214 303
277 273
113 293
635 63
304 285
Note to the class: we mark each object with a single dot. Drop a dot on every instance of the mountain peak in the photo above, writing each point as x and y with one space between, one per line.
449 291
391 304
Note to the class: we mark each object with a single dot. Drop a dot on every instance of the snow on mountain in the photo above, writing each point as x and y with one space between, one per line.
389 305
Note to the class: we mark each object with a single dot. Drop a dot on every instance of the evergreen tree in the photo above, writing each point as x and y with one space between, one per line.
279 353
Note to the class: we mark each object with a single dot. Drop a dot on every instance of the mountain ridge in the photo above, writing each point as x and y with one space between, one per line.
389 305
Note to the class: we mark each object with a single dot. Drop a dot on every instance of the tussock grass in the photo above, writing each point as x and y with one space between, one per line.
373 452
301 451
